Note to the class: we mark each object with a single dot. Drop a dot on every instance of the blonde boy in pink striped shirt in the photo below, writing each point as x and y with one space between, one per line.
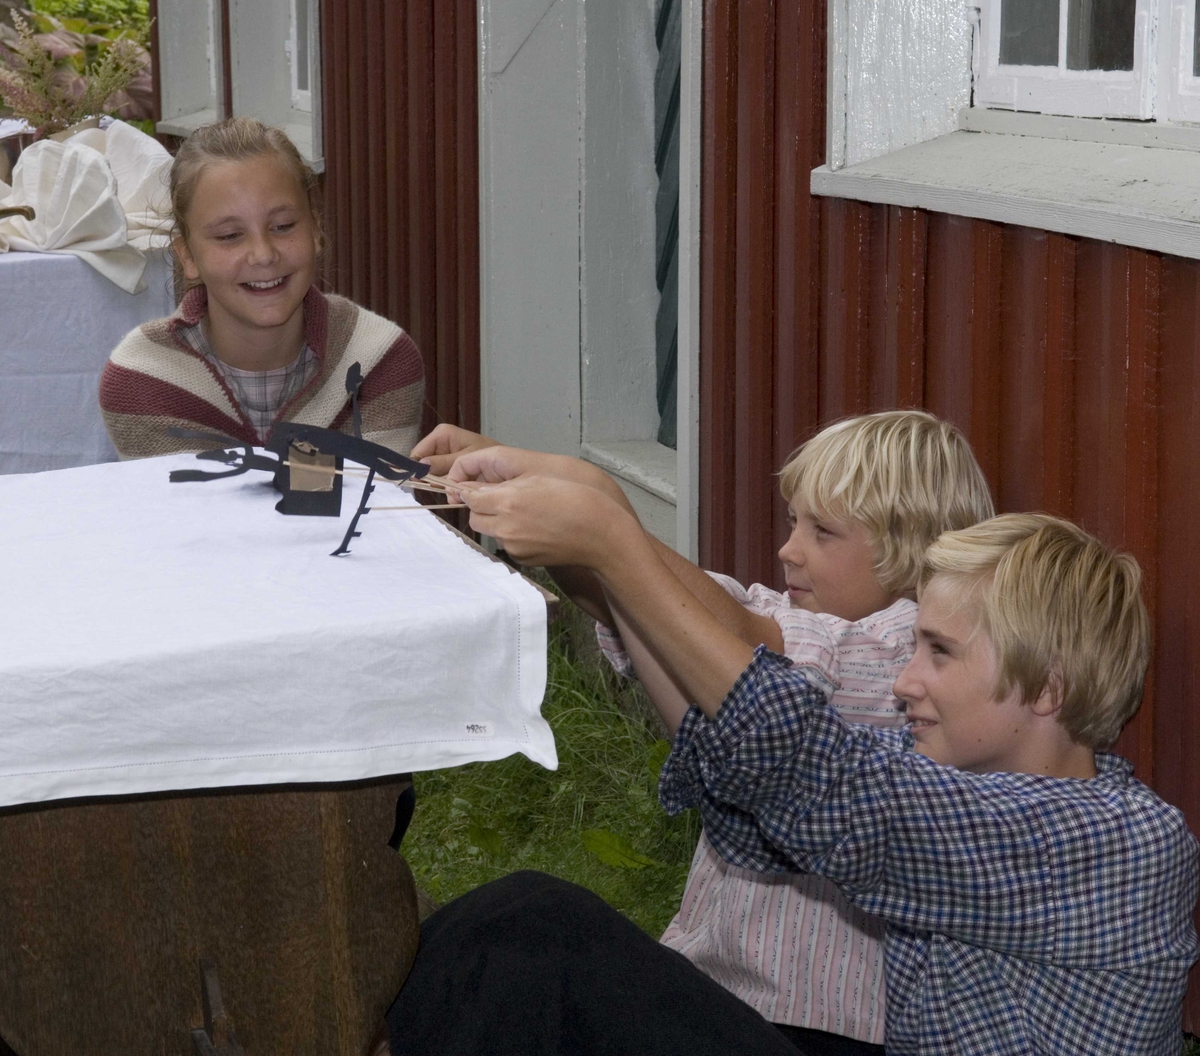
866 497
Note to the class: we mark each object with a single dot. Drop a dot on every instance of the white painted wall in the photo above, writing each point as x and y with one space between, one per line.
259 35
899 72
568 184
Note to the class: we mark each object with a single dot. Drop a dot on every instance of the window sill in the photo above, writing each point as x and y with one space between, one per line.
185 124
1128 183
646 472
642 462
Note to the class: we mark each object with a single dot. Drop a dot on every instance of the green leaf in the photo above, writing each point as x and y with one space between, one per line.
659 751
487 840
612 850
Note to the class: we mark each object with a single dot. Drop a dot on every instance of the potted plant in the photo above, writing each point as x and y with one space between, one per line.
55 73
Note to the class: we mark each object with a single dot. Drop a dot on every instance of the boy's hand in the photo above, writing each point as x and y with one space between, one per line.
495 464
445 443
549 521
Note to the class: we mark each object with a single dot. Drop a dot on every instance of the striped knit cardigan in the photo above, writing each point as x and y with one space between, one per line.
155 380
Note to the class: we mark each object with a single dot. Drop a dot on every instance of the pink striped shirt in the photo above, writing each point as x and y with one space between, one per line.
790 945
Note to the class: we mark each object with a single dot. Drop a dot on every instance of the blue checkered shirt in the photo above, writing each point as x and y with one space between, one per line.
1024 914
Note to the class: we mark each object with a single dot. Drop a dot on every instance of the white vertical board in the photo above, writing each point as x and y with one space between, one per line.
691 133
899 72
258 36
530 154
567 186
1178 87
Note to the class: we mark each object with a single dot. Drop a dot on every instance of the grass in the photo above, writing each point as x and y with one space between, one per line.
595 821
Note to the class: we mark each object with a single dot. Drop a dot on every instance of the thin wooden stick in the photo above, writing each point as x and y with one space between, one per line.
417 485
329 471
431 509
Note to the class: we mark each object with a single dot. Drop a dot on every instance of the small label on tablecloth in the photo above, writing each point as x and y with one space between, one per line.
479 729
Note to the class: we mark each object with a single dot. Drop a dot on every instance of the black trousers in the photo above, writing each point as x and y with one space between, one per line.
533 965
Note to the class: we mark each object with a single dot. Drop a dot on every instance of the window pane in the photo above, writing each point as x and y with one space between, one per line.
302 45
1100 34
1029 32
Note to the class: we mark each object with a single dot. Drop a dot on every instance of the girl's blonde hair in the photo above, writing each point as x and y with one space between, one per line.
906 476
1063 611
234 139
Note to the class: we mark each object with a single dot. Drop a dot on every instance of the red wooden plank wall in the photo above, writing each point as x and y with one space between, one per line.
402 180
1072 365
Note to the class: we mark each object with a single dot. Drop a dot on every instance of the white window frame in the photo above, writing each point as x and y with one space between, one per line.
1124 181
1057 90
301 97
1179 90
1160 87
262 39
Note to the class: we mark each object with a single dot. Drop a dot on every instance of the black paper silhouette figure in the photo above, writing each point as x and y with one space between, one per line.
308 467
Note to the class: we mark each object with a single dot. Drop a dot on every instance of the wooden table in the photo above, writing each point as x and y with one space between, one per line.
291 897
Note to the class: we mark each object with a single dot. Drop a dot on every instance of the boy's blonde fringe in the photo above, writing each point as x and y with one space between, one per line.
1063 611
906 476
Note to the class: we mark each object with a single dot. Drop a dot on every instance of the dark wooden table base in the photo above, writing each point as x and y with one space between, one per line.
304 920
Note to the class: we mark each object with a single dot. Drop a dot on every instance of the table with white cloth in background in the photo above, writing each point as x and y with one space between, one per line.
202 714
59 321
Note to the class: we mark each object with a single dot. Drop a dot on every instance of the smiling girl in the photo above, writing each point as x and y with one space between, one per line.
254 342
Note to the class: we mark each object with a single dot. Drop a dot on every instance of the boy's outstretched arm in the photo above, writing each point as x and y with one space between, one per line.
545 521
498 463
441 449
667 695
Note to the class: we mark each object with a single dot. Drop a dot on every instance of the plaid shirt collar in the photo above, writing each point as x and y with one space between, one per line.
261 394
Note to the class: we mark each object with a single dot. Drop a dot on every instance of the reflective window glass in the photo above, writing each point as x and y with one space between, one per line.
1029 32
1100 34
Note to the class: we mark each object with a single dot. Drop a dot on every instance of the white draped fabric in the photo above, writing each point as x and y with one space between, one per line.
100 195
162 636
59 321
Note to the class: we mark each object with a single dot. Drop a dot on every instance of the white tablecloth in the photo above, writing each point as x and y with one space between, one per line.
59 321
158 636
